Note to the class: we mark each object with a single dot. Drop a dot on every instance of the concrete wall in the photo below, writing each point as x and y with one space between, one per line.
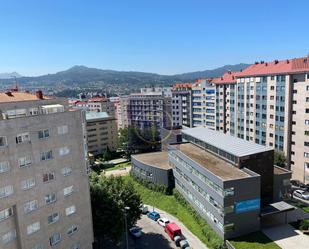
152 174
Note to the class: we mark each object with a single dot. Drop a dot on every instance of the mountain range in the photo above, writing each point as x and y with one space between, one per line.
9 75
83 76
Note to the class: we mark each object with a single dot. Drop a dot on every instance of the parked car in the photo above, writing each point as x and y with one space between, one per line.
301 194
178 238
144 209
184 244
163 221
153 215
173 230
135 232
296 184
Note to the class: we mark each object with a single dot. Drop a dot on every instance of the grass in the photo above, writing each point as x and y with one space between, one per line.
299 204
169 204
118 166
256 240
306 209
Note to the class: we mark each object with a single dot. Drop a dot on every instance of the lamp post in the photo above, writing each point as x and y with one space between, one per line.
126 225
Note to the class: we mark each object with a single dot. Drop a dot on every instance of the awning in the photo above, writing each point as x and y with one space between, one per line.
276 208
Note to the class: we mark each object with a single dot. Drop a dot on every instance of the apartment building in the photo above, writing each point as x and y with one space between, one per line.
204 104
147 109
213 170
182 105
44 189
101 132
272 109
101 104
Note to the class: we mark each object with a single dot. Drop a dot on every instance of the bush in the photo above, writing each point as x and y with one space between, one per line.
214 241
152 186
304 225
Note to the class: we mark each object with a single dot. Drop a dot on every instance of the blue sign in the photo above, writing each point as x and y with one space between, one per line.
247 206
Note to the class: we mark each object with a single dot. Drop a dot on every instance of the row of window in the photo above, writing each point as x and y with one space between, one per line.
25 137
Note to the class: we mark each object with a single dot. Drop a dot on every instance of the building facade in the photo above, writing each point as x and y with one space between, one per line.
101 104
101 132
182 105
44 189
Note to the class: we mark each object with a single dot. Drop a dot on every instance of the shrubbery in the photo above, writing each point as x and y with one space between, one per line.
152 186
214 241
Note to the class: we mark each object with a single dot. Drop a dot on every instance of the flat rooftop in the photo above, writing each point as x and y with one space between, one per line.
18 96
156 159
216 165
280 171
233 145
91 116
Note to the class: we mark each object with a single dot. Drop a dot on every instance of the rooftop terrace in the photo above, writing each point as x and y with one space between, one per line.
217 166
156 159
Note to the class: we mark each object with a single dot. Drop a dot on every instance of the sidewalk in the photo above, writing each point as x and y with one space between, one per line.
287 237
194 242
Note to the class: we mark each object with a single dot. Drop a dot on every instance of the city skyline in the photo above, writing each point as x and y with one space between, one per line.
165 38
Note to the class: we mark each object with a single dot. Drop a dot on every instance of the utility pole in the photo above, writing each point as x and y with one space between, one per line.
126 226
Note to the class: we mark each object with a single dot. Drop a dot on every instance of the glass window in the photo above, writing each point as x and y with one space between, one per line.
48 155
3 141
9 236
53 218
23 138
66 171
43 134
6 213
28 184
63 129
70 210
6 191
4 167
34 227
48 177
64 151
72 229
55 239
24 161
68 191
50 198
30 206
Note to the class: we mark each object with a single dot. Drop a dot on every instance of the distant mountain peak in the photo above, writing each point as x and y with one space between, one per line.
9 75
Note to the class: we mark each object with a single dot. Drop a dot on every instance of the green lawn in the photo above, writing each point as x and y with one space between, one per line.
118 166
306 209
256 240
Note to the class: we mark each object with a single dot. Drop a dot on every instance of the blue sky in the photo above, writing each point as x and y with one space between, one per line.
161 36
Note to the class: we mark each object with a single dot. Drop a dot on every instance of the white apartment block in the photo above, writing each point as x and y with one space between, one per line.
44 189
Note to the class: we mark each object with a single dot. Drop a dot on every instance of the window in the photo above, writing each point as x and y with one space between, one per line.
72 229
306 144
64 151
53 218
6 191
62 129
33 111
34 227
68 191
306 154
30 206
6 213
3 141
48 177
307 133
28 184
43 134
307 110
24 161
4 167
307 122
48 155
50 198
66 171
16 113
70 210
54 239
9 236
23 138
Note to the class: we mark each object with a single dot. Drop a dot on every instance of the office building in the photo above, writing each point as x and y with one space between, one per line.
227 180
44 189
101 104
101 132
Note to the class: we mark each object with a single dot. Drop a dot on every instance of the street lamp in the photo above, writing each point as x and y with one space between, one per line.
126 225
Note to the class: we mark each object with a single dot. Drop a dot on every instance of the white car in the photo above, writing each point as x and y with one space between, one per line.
163 221
301 194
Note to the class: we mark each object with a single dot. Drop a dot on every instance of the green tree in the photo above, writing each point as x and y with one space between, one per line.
279 158
107 154
109 197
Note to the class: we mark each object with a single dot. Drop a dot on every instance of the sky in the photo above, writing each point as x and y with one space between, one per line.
159 36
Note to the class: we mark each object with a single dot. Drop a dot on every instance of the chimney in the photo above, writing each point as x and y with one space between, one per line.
287 61
9 93
39 94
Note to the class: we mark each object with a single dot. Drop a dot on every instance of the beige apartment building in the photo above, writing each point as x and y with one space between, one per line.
101 104
101 132
44 189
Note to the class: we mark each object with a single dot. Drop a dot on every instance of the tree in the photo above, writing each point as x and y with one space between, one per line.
109 197
279 158
107 154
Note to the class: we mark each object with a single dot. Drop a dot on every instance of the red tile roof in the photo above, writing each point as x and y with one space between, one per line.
182 85
97 99
290 66
227 78
18 96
